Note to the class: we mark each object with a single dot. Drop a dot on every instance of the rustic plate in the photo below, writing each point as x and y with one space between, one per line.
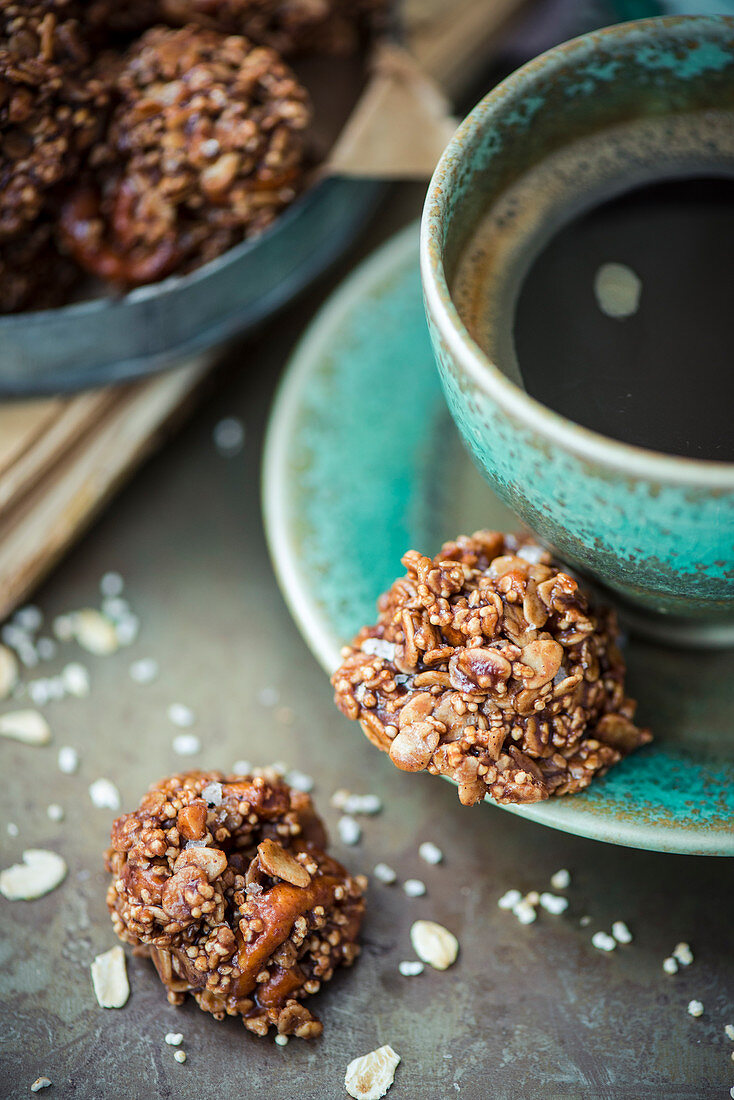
363 462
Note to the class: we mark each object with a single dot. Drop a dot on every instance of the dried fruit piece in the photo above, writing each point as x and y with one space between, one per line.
40 872
109 978
434 944
27 726
369 1077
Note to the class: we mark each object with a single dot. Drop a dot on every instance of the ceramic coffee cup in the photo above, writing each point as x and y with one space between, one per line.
656 529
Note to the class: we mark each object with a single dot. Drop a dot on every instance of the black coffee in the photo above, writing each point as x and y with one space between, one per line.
661 375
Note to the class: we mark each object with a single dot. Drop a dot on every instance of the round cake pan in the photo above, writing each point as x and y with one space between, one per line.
111 339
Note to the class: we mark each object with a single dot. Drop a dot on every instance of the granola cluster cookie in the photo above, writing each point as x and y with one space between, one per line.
205 146
224 882
488 665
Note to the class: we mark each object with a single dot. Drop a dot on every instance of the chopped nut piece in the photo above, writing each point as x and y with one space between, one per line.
8 671
695 1008
369 1077
109 978
212 861
561 880
434 944
94 632
27 726
430 853
275 861
39 873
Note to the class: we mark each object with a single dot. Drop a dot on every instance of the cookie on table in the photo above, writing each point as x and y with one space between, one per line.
489 665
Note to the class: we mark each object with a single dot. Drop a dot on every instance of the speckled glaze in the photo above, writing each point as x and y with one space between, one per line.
353 477
657 529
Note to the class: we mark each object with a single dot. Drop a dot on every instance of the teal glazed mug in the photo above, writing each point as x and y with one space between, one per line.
647 99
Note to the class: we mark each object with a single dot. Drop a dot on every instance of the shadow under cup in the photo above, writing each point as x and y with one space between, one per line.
590 119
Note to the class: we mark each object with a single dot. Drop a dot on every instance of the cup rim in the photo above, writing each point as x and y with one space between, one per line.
586 443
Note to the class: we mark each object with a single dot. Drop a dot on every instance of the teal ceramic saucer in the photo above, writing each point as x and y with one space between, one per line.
363 462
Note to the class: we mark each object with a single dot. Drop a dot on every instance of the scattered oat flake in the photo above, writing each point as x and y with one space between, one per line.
180 1056
602 941
561 880
729 1031
281 1040
229 436
95 632
553 903
104 794
414 888
174 1038
385 874
27 726
109 978
40 872
40 1083
509 899
434 944
8 671
144 670
75 679
369 1077
683 953
695 1008
410 968
430 853
55 812
181 715
621 932
349 830
300 781
68 760
670 965
186 744
111 585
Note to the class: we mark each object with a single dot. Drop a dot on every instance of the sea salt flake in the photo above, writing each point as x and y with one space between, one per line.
144 670
561 880
109 978
554 904
174 1038
509 899
349 830
40 872
27 726
181 715
104 794
75 679
414 888
68 760
430 853
621 932
410 968
695 1008
531 553
384 874
369 1077
186 744
378 647
602 941
212 793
